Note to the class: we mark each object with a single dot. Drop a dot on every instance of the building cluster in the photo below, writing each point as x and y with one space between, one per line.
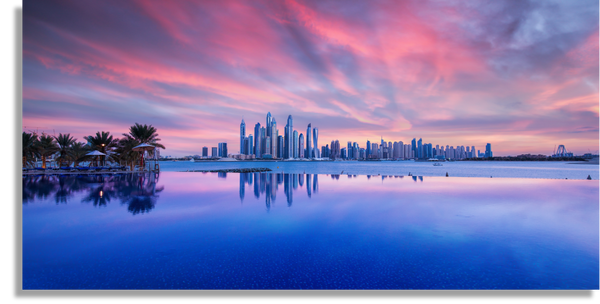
267 143
400 151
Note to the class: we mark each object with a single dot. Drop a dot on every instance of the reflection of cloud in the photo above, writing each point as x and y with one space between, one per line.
376 68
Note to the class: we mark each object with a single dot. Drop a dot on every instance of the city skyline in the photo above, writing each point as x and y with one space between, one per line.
523 77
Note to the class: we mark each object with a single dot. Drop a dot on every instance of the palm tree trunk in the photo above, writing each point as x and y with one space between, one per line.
24 161
43 161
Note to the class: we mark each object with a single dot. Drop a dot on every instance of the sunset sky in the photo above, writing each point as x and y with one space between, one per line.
521 75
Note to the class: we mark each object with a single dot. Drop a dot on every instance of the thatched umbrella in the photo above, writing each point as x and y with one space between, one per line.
96 153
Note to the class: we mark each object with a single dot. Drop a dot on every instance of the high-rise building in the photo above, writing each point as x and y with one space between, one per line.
308 142
204 151
268 125
473 154
242 136
250 145
420 148
488 150
295 144
289 143
349 150
223 149
274 135
413 144
214 152
368 149
301 146
257 139
280 147
263 135
316 143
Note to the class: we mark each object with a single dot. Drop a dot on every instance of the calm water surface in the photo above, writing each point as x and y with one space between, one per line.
554 170
298 231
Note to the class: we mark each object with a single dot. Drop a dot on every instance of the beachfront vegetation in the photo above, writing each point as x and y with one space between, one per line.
66 149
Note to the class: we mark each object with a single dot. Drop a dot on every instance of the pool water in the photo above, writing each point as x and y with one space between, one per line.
181 230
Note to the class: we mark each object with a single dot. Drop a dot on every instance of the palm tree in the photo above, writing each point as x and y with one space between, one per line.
79 151
30 148
145 134
64 142
47 146
102 142
125 151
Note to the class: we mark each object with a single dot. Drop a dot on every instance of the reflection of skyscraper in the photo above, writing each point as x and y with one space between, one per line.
315 183
242 186
287 187
256 184
308 185
301 179
295 181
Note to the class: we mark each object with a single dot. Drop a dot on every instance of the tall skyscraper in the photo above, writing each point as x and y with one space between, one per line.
308 142
274 135
204 151
413 144
473 152
488 150
280 147
242 136
295 144
289 141
268 125
301 146
368 149
250 146
316 143
257 140
420 148
214 152
263 135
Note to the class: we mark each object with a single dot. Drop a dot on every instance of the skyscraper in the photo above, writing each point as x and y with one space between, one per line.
488 150
301 146
316 143
295 144
289 143
242 136
420 148
274 135
263 135
368 149
308 142
204 151
257 140
223 149
413 144
268 125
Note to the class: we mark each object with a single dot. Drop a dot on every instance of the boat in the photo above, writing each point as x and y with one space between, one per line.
437 164
192 160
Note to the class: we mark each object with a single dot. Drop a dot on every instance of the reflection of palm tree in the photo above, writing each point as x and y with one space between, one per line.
138 192
99 196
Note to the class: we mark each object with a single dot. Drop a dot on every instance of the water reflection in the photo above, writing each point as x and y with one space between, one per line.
267 184
137 191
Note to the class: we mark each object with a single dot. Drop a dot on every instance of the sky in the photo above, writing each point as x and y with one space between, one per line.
521 75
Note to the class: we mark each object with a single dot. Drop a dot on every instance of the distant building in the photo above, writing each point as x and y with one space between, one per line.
214 152
204 151
488 150
242 136
223 149
301 146
309 142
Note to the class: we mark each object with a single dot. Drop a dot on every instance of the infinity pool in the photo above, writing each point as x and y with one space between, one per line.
185 230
